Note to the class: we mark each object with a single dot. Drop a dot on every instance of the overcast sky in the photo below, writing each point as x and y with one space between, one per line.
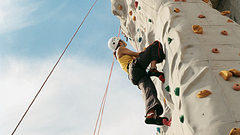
32 36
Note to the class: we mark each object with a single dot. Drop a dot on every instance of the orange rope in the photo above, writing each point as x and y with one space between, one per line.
102 106
53 68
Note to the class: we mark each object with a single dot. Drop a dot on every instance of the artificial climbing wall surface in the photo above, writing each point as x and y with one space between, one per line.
202 45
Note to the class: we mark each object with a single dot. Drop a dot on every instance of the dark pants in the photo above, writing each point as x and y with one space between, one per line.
138 75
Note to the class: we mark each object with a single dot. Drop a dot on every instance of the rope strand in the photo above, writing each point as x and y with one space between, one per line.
53 68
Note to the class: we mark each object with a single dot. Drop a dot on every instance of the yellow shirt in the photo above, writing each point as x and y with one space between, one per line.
124 61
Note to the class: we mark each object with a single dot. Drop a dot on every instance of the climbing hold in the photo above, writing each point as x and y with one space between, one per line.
176 10
183 0
235 72
203 93
136 4
158 130
235 131
120 7
215 50
137 30
169 40
134 18
236 87
201 16
225 12
224 32
230 21
176 0
197 29
167 88
130 13
206 1
164 100
177 91
149 20
140 39
226 75
181 118
139 8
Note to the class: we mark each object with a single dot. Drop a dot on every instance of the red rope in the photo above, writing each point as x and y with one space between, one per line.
53 68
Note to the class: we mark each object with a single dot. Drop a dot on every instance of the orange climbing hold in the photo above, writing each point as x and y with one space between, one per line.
197 29
225 75
176 10
134 18
215 50
224 32
235 72
235 131
206 1
204 93
120 7
230 21
201 16
130 13
225 12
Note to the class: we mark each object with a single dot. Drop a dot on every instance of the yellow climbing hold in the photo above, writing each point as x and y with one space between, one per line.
206 1
225 75
203 93
134 18
120 7
225 12
235 131
224 32
197 29
235 72
230 21
130 13
176 10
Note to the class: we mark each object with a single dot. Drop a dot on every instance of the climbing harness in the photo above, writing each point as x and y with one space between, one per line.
53 68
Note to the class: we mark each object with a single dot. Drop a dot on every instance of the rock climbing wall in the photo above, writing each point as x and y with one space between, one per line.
201 92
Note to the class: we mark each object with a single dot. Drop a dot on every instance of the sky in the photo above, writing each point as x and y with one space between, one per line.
32 36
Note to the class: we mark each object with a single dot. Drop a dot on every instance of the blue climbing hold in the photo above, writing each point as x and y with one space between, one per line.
158 129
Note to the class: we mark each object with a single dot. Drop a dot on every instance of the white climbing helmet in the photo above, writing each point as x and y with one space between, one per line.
113 43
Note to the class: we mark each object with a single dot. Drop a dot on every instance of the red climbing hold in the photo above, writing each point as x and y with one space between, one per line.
224 32
166 122
215 50
176 0
230 21
136 4
236 87
162 78
201 16
130 13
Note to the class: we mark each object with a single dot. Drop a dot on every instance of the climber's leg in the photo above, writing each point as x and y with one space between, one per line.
153 52
148 89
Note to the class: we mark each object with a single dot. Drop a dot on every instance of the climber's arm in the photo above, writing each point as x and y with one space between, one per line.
126 51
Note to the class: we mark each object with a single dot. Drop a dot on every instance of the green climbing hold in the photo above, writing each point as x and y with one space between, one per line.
139 8
137 30
158 130
140 39
149 20
177 91
182 118
130 39
167 88
169 40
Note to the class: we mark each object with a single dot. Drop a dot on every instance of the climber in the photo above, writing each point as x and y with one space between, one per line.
135 64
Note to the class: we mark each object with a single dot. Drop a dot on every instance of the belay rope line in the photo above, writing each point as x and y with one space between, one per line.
53 68
100 113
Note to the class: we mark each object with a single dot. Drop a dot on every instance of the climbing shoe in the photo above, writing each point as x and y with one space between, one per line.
151 118
155 72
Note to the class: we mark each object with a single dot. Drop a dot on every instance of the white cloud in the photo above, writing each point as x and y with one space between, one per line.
69 103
